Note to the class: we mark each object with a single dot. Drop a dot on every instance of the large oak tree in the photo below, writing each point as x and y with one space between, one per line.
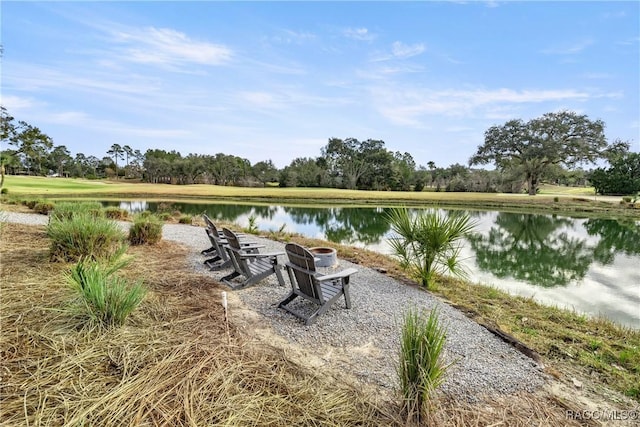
555 138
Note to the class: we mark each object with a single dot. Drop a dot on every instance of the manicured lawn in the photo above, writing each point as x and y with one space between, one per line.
577 200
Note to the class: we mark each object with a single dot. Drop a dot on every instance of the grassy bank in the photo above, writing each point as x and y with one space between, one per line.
551 199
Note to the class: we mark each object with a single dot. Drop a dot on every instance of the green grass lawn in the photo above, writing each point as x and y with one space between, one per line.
552 198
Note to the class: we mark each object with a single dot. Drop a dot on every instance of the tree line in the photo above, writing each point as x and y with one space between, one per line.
551 148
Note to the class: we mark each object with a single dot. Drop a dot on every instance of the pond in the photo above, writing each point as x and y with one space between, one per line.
589 265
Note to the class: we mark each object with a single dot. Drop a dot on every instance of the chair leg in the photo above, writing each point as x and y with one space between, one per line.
287 300
212 260
345 290
231 276
279 275
208 251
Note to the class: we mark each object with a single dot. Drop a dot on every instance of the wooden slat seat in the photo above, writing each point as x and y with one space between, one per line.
309 284
248 263
219 258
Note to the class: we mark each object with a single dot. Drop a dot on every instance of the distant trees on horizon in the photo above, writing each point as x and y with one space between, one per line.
549 148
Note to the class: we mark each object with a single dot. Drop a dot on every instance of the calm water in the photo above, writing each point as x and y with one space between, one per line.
590 265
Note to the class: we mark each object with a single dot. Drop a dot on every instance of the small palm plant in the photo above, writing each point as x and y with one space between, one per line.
428 243
421 368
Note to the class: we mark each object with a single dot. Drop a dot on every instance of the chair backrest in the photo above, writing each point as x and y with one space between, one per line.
232 239
208 221
303 265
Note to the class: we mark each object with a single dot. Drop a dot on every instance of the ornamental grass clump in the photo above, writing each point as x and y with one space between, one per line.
43 207
85 236
145 230
67 210
185 219
420 369
106 299
114 212
428 243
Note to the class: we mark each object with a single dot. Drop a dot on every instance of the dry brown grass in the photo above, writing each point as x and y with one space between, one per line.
176 361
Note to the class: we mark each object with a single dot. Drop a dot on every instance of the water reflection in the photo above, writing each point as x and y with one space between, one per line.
590 265
537 249
614 237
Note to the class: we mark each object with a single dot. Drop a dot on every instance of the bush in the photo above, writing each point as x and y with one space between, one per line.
67 210
116 213
164 216
556 199
43 207
4 190
85 236
31 203
106 299
145 230
420 369
186 219
428 243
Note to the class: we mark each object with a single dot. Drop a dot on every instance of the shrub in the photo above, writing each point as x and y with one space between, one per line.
420 369
67 210
144 214
104 297
164 216
556 199
186 219
428 243
31 203
145 230
113 212
626 199
43 207
85 236
4 190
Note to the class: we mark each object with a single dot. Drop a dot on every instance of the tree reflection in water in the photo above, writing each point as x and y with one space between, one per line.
536 249
615 237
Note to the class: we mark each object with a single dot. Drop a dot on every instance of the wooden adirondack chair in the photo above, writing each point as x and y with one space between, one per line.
249 263
220 258
323 290
209 224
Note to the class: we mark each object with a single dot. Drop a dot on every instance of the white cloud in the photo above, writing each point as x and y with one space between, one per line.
598 76
164 46
16 103
409 106
362 34
401 50
292 37
568 48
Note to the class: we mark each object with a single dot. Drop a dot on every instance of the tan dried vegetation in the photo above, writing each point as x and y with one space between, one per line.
176 361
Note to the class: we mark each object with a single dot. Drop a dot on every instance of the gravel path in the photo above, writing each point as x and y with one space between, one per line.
367 335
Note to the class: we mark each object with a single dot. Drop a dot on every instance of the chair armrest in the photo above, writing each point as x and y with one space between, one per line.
264 255
344 273
245 247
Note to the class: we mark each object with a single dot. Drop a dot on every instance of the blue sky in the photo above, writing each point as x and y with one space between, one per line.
276 80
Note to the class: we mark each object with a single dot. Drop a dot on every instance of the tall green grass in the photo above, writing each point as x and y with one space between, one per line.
421 368
84 235
105 298
67 210
145 230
